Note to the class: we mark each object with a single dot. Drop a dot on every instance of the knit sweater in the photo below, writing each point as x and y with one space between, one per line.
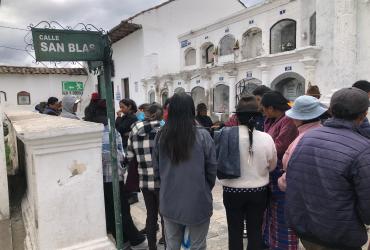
254 169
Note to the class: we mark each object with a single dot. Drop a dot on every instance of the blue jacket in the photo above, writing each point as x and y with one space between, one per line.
227 151
365 127
328 186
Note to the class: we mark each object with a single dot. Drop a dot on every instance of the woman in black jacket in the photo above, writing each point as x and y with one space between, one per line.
125 118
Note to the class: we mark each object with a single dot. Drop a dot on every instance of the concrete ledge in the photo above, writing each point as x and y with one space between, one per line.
63 208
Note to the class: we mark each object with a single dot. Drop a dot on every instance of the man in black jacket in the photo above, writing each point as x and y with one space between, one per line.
52 107
328 178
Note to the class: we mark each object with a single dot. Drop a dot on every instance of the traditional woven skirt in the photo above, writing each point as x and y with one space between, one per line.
277 235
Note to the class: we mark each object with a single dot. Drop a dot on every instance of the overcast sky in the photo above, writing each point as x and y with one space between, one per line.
21 13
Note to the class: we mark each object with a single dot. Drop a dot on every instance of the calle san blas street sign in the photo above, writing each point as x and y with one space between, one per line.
67 45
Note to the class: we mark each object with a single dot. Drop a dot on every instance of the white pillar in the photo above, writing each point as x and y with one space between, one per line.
63 208
232 93
4 194
345 42
144 86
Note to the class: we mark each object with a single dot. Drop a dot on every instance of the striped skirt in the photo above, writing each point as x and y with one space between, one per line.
276 233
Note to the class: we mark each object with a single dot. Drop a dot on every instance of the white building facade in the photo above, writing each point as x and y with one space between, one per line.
284 44
25 87
150 55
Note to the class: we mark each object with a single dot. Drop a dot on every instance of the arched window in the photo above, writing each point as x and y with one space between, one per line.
151 97
227 45
246 86
290 84
164 96
207 53
23 98
190 57
179 90
313 29
221 99
283 36
199 95
252 43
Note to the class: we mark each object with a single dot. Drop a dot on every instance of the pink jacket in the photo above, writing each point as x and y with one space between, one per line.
288 153
302 130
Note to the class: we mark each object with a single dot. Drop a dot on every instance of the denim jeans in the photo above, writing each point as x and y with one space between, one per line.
174 234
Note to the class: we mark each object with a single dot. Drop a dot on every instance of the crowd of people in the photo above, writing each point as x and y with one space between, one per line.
290 172
66 108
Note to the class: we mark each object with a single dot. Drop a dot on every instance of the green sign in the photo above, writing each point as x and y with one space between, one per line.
72 88
67 45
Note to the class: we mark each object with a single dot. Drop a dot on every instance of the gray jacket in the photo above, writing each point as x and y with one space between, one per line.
186 189
227 149
68 103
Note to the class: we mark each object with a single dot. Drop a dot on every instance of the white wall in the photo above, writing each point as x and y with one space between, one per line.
41 87
128 56
264 17
342 32
363 40
159 35
4 195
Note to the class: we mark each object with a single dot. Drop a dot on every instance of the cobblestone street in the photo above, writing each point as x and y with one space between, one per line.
217 236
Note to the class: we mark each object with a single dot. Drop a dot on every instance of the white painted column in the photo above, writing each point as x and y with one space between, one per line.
170 88
63 208
232 93
4 194
206 77
345 42
309 61
144 85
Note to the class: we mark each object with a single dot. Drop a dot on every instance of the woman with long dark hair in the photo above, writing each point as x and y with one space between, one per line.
283 131
125 118
184 159
245 158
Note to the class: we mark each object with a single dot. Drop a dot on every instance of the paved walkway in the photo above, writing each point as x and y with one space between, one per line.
217 237
5 235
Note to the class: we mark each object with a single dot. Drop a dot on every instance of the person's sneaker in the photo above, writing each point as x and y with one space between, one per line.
141 246
161 241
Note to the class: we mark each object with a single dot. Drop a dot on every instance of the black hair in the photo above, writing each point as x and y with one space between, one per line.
129 103
201 107
261 90
98 113
52 100
276 100
154 112
317 119
178 134
363 85
248 118
144 106
166 103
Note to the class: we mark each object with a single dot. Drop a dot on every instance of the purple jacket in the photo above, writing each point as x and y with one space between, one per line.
328 186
